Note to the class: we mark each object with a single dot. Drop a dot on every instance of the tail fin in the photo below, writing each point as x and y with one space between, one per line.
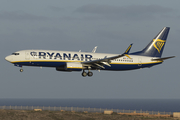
156 46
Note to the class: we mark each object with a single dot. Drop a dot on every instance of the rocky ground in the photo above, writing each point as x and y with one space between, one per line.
64 115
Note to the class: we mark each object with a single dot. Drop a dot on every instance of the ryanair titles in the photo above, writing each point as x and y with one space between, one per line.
61 56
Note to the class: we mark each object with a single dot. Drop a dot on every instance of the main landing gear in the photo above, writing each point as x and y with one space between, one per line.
84 74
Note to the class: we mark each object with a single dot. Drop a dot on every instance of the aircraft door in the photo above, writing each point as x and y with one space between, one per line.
27 55
139 61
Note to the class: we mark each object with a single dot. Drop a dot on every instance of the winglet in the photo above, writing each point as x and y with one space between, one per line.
94 50
128 49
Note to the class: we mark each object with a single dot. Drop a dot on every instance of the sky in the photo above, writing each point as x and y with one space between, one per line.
70 25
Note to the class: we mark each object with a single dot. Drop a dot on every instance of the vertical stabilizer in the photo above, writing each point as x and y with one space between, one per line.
156 46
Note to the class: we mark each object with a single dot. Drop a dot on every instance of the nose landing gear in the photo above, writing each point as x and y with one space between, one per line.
21 70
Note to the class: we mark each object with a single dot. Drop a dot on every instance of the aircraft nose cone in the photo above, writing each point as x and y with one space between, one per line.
8 58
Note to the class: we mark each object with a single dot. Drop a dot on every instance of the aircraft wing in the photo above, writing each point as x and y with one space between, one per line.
105 61
101 62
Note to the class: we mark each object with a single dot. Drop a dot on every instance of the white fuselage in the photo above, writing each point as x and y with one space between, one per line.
49 58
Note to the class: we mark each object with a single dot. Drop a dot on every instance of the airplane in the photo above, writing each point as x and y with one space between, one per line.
81 61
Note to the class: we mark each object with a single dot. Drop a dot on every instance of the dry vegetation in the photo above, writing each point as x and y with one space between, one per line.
58 115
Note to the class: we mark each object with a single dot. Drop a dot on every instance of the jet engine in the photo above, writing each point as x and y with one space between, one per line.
70 67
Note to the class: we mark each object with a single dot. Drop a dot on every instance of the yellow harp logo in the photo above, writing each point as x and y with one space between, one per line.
158 44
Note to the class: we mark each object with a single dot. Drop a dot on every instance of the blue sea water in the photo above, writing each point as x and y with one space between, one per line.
167 105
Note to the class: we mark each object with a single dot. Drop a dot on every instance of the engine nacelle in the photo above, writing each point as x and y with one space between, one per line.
70 67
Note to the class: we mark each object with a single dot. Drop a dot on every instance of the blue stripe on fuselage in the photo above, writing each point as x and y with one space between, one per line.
122 67
44 64
114 66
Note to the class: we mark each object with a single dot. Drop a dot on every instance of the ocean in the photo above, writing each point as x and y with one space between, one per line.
167 105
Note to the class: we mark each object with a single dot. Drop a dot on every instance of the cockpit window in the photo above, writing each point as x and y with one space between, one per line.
15 53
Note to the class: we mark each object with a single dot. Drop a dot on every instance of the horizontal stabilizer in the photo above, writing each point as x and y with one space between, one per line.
161 59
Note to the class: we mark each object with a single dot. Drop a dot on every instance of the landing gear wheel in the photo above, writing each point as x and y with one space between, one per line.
21 70
84 74
90 74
